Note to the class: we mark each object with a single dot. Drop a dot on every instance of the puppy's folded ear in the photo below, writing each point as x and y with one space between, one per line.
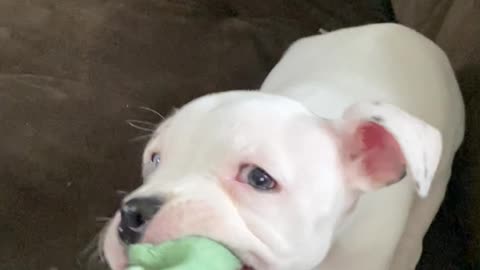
381 144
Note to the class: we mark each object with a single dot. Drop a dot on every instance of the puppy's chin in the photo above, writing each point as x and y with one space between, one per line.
113 249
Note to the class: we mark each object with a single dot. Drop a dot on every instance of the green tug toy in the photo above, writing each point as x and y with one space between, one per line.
188 253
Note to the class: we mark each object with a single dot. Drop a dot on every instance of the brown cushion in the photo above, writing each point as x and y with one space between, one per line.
455 26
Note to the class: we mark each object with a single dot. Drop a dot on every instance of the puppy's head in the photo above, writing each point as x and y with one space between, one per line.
265 177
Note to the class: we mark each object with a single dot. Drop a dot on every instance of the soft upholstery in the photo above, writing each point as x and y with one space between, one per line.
455 26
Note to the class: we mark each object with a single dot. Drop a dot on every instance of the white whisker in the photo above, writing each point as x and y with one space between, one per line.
140 138
153 111
147 126
121 193
102 219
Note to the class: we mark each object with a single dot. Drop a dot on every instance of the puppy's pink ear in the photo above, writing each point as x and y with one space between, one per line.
382 144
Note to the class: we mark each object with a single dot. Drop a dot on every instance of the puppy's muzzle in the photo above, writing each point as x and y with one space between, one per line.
135 215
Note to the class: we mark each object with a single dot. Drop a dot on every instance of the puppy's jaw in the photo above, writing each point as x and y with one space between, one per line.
112 247
199 206
192 218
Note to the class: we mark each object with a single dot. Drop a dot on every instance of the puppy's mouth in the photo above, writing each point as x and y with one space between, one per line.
115 247
245 266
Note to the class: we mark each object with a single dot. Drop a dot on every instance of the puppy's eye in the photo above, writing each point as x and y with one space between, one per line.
257 178
149 166
156 159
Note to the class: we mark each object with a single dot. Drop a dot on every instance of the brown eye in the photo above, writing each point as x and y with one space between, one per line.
257 178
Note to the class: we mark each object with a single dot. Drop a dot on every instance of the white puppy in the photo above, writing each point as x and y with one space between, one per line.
319 170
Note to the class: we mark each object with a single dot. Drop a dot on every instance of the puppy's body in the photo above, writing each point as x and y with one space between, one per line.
338 123
387 63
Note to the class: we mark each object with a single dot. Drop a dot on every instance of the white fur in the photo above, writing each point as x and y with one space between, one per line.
293 128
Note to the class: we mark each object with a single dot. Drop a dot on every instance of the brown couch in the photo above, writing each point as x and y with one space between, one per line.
72 72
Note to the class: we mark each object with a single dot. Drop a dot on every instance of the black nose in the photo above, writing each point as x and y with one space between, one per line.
135 214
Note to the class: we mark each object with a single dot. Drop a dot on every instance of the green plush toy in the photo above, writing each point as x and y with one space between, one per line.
183 254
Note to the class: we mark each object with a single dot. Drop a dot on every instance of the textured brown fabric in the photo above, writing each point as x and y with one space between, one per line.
72 72
455 26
